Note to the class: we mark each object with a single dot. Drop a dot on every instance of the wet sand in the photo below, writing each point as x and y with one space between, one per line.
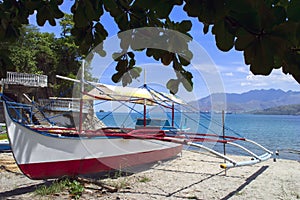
190 176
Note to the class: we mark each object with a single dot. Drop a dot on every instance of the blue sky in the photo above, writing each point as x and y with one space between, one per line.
235 75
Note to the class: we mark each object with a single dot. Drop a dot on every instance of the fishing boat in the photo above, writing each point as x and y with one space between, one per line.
4 145
44 152
49 152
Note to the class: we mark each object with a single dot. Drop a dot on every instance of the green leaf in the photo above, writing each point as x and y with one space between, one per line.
224 39
116 77
293 10
122 66
124 4
131 63
279 14
188 84
42 16
238 5
117 56
145 3
100 33
263 60
122 21
56 12
249 21
298 34
191 8
126 79
163 10
244 39
52 22
135 72
90 11
172 85
125 42
205 28
185 26
156 53
277 62
130 54
80 18
183 61
101 52
110 5
167 58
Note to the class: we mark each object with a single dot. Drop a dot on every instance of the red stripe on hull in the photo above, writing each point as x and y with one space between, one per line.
94 165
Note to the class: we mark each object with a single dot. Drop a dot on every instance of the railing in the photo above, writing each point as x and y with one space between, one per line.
62 105
33 80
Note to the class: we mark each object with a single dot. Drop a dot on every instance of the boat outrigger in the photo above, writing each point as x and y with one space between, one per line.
50 152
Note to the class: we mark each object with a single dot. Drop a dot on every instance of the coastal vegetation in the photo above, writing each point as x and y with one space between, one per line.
73 187
3 136
280 110
42 53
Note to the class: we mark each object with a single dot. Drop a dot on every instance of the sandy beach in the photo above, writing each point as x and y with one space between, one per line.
190 176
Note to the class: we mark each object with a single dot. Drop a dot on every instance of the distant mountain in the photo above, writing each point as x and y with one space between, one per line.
248 101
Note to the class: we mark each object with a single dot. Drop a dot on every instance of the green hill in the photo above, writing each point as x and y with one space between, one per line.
280 110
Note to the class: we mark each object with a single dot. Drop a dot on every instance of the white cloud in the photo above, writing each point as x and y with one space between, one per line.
275 76
228 74
207 68
254 84
276 79
243 69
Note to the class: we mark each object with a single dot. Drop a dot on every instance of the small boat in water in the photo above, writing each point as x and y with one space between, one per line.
4 143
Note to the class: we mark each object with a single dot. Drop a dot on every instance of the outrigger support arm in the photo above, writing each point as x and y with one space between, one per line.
212 151
261 158
231 162
253 161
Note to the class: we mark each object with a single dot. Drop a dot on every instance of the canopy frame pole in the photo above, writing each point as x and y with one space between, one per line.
173 115
145 109
223 131
81 96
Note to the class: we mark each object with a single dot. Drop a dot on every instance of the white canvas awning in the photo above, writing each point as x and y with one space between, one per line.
130 94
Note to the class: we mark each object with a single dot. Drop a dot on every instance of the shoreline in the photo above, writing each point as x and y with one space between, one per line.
190 176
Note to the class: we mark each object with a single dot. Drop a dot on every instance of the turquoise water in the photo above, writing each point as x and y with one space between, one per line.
275 132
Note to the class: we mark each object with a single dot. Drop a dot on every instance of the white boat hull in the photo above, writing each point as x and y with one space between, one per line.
42 156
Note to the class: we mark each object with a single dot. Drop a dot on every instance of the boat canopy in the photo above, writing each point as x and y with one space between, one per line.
130 94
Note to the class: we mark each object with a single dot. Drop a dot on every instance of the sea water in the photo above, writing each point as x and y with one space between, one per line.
275 132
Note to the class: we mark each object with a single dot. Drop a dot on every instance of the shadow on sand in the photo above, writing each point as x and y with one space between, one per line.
248 181
22 190
209 176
